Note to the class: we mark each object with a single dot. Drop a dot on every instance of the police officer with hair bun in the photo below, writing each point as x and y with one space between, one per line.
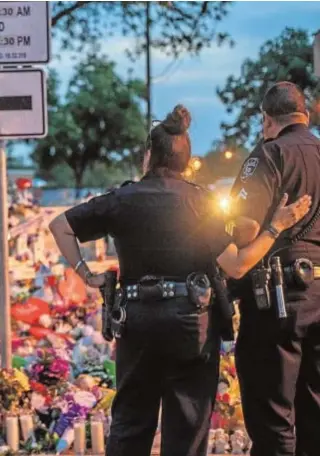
167 314
278 346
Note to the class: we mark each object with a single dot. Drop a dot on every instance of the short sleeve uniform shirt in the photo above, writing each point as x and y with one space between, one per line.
162 226
288 164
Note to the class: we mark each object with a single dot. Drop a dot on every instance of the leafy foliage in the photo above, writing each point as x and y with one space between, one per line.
216 166
179 26
98 120
287 57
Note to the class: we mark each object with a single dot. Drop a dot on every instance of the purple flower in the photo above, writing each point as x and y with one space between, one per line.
61 367
37 369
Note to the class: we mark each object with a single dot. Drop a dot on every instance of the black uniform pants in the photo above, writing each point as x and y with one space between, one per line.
168 356
278 365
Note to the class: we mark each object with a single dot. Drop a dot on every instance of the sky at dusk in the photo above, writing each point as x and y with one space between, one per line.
193 81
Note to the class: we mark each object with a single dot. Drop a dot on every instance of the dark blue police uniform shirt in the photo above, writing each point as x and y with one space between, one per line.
288 164
162 226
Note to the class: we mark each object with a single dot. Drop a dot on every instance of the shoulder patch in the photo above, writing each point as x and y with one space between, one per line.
249 168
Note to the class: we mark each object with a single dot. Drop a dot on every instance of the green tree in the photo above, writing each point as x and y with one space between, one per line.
287 57
97 175
99 120
172 27
180 26
216 165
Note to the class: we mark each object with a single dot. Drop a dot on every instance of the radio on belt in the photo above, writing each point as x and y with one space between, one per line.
277 279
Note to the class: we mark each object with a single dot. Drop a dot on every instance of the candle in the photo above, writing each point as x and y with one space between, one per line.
97 436
79 437
26 422
12 432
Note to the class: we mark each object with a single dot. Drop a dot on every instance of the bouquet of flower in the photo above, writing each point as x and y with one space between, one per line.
14 387
228 411
49 369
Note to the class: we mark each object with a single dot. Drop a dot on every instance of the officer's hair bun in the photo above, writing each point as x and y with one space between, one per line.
178 121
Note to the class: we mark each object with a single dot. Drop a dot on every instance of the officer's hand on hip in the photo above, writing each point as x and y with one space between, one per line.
96 280
287 216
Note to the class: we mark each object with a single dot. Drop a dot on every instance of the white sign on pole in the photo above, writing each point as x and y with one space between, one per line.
23 104
24 32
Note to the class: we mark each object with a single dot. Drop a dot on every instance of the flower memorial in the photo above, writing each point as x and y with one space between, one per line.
64 373
63 368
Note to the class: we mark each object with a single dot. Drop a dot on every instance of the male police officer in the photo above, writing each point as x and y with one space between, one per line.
278 359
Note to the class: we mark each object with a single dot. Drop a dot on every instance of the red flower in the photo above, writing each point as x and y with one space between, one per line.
38 387
232 371
226 398
48 400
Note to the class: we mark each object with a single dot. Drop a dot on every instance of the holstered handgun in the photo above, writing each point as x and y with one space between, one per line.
199 290
223 303
108 293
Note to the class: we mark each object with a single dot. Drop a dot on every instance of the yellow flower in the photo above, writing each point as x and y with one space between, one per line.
22 379
106 401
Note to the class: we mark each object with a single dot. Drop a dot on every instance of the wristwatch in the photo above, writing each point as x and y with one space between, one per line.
88 276
273 231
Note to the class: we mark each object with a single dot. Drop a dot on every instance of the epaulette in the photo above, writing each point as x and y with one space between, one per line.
230 226
127 182
197 186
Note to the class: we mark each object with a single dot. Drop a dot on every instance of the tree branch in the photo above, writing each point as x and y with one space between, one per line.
67 11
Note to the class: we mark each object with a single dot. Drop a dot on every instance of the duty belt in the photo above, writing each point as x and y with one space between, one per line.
167 289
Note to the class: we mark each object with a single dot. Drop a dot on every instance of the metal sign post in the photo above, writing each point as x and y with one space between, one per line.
316 54
24 40
5 326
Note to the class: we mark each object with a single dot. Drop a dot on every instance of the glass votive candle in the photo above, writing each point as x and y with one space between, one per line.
79 436
97 435
12 432
27 425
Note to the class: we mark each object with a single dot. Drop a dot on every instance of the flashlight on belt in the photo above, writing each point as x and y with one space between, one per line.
277 278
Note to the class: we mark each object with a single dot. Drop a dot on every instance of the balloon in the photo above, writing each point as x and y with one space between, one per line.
18 362
17 342
22 183
72 287
30 311
40 333
110 368
51 280
85 399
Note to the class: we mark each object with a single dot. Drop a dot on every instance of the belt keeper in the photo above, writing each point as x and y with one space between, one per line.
168 290
132 292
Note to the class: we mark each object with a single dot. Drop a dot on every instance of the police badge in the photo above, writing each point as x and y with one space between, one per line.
249 168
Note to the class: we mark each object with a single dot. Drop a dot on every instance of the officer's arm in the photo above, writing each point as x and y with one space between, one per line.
245 231
67 242
237 262
85 222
